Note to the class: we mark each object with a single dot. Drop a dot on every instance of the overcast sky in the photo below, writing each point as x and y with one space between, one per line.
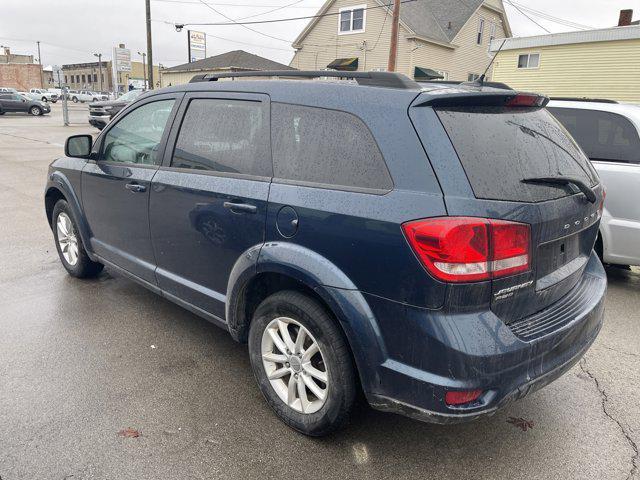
70 31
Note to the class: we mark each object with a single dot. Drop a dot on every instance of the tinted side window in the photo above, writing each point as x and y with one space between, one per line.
602 135
325 147
136 136
229 136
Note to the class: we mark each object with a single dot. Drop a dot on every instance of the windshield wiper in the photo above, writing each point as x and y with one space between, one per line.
583 187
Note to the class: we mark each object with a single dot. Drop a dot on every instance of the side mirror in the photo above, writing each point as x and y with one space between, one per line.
78 146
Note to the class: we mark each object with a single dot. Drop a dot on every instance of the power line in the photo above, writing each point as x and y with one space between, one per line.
531 19
552 18
233 22
166 22
277 20
289 5
197 2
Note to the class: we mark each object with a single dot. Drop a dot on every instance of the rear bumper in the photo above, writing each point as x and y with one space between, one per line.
429 353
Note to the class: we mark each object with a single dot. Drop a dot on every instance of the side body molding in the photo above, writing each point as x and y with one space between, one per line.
331 284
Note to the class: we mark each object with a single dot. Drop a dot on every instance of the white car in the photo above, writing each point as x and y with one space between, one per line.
609 133
44 95
83 96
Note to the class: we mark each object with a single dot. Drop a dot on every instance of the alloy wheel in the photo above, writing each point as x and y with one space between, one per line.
294 365
67 239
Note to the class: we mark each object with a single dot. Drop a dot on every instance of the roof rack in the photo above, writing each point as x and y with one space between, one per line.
584 99
374 79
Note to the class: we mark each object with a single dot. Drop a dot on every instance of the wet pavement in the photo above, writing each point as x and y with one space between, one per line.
102 379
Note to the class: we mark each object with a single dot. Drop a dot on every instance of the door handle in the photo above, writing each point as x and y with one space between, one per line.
135 187
240 207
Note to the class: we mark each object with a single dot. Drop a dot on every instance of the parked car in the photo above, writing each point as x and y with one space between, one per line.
8 90
82 96
28 95
429 244
100 113
99 96
44 95
609 134
14 102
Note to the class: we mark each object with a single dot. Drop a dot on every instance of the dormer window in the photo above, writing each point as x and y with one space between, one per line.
351 19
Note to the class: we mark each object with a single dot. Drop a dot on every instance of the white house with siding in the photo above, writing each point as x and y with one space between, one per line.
449 38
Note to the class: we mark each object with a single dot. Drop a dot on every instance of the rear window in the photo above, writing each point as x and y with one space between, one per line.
499 147
603 136
326 148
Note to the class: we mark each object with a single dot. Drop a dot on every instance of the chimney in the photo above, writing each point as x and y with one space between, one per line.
625 17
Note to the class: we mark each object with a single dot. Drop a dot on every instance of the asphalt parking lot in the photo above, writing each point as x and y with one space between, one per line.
85 364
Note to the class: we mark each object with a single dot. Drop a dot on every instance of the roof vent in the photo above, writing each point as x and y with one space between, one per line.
449 25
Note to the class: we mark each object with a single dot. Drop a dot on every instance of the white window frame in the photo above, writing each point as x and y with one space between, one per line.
363 7
472 77
480 32
528 55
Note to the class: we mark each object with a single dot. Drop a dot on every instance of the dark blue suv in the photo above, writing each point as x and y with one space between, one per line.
429 245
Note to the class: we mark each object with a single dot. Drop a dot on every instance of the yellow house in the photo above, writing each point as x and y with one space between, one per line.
602 63
437 38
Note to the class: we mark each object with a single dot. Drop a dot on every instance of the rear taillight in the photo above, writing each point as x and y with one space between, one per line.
469 249
601 206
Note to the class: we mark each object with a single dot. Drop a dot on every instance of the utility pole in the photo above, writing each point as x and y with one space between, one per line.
63 93
144 68
393 48
99 55
149 48
40 63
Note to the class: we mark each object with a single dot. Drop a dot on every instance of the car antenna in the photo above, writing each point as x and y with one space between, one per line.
480 80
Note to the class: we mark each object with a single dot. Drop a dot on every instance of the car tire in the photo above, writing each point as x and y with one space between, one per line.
293 392
74 99
74 257
35 111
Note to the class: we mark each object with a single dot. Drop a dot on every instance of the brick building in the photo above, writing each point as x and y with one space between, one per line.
19 72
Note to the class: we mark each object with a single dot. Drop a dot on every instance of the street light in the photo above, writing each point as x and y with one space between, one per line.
99 55
144 70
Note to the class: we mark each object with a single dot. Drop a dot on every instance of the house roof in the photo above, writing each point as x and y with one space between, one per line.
567 38
440 20
236 59
437 20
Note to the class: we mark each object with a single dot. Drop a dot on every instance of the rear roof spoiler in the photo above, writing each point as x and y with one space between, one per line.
465 98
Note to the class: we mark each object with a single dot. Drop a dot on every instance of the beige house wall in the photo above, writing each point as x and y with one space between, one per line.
323 44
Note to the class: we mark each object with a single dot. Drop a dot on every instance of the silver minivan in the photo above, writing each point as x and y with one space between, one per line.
609 133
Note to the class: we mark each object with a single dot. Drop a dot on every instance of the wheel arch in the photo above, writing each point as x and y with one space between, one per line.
262 271
59 188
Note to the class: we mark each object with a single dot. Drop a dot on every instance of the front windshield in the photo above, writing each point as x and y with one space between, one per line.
132 95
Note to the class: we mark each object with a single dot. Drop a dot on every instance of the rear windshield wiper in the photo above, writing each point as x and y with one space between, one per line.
583 187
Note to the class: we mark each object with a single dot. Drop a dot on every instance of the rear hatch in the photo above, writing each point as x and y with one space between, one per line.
520 165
